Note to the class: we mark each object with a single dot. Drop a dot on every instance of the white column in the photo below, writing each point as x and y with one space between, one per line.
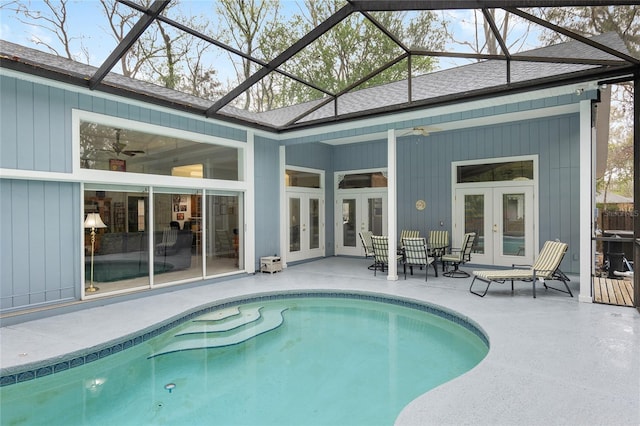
284 213
392 201
586 206
249 207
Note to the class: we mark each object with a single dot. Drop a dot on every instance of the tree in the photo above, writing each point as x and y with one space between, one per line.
53 19
245 21
624 21
512 29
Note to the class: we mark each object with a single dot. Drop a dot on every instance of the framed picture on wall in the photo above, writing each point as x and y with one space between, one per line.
180 216
183 207
117 165
176 207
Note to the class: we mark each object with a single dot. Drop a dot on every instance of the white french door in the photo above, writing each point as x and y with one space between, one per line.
504 222
358 210
305 236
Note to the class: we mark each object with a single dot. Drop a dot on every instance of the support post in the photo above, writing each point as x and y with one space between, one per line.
636 189
392 205
586 197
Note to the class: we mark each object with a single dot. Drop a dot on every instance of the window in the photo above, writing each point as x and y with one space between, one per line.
118 149
302 179
495 172
363 180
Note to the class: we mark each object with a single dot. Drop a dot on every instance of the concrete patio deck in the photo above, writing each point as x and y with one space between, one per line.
552 360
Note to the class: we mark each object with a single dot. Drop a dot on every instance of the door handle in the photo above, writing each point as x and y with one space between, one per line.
495 228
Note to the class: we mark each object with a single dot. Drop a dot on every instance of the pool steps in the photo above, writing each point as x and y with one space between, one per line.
219 329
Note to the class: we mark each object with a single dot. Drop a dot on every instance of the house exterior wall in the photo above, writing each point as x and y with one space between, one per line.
39 254
40 215
267 188
424 172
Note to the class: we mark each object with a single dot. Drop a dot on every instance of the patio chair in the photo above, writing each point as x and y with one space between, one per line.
381 252
545 268
458 257
408 233
438 244
365 238
415 254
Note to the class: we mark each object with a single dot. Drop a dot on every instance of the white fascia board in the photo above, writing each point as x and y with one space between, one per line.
409 116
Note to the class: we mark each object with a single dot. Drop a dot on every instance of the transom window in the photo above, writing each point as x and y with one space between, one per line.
104 147
495 172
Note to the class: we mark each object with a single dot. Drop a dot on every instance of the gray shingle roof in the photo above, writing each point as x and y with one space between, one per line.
440 84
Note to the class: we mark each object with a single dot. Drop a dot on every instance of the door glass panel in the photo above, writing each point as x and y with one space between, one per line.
513 209
314 223
375 215
474 219
349 222
294 224
172 242
222 236
118 256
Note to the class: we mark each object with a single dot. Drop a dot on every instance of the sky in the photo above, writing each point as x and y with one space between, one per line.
89 29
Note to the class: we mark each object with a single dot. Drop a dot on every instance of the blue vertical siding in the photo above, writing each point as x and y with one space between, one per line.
267 196
39 221
39 228
39 232
424 172
43 116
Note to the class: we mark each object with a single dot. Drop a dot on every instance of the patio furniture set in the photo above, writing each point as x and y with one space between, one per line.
415 251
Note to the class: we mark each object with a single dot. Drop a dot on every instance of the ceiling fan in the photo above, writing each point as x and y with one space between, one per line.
420 131
424 130
119 147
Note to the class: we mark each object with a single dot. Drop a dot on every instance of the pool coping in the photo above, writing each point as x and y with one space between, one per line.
37 369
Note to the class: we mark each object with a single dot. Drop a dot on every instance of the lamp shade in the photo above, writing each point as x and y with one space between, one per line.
93 220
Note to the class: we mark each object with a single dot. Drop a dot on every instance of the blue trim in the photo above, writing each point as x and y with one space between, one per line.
76 361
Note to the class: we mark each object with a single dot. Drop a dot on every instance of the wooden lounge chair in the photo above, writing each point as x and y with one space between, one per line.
545 268
415 254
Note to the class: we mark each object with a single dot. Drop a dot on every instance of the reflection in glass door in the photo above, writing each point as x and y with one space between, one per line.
503 220
356 213
305 236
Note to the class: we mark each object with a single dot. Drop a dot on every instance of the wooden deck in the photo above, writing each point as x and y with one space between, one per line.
613 292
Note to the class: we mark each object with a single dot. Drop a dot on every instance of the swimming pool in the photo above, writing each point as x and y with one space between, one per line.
285 359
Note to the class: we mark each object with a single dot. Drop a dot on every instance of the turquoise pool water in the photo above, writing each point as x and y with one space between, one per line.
300 361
